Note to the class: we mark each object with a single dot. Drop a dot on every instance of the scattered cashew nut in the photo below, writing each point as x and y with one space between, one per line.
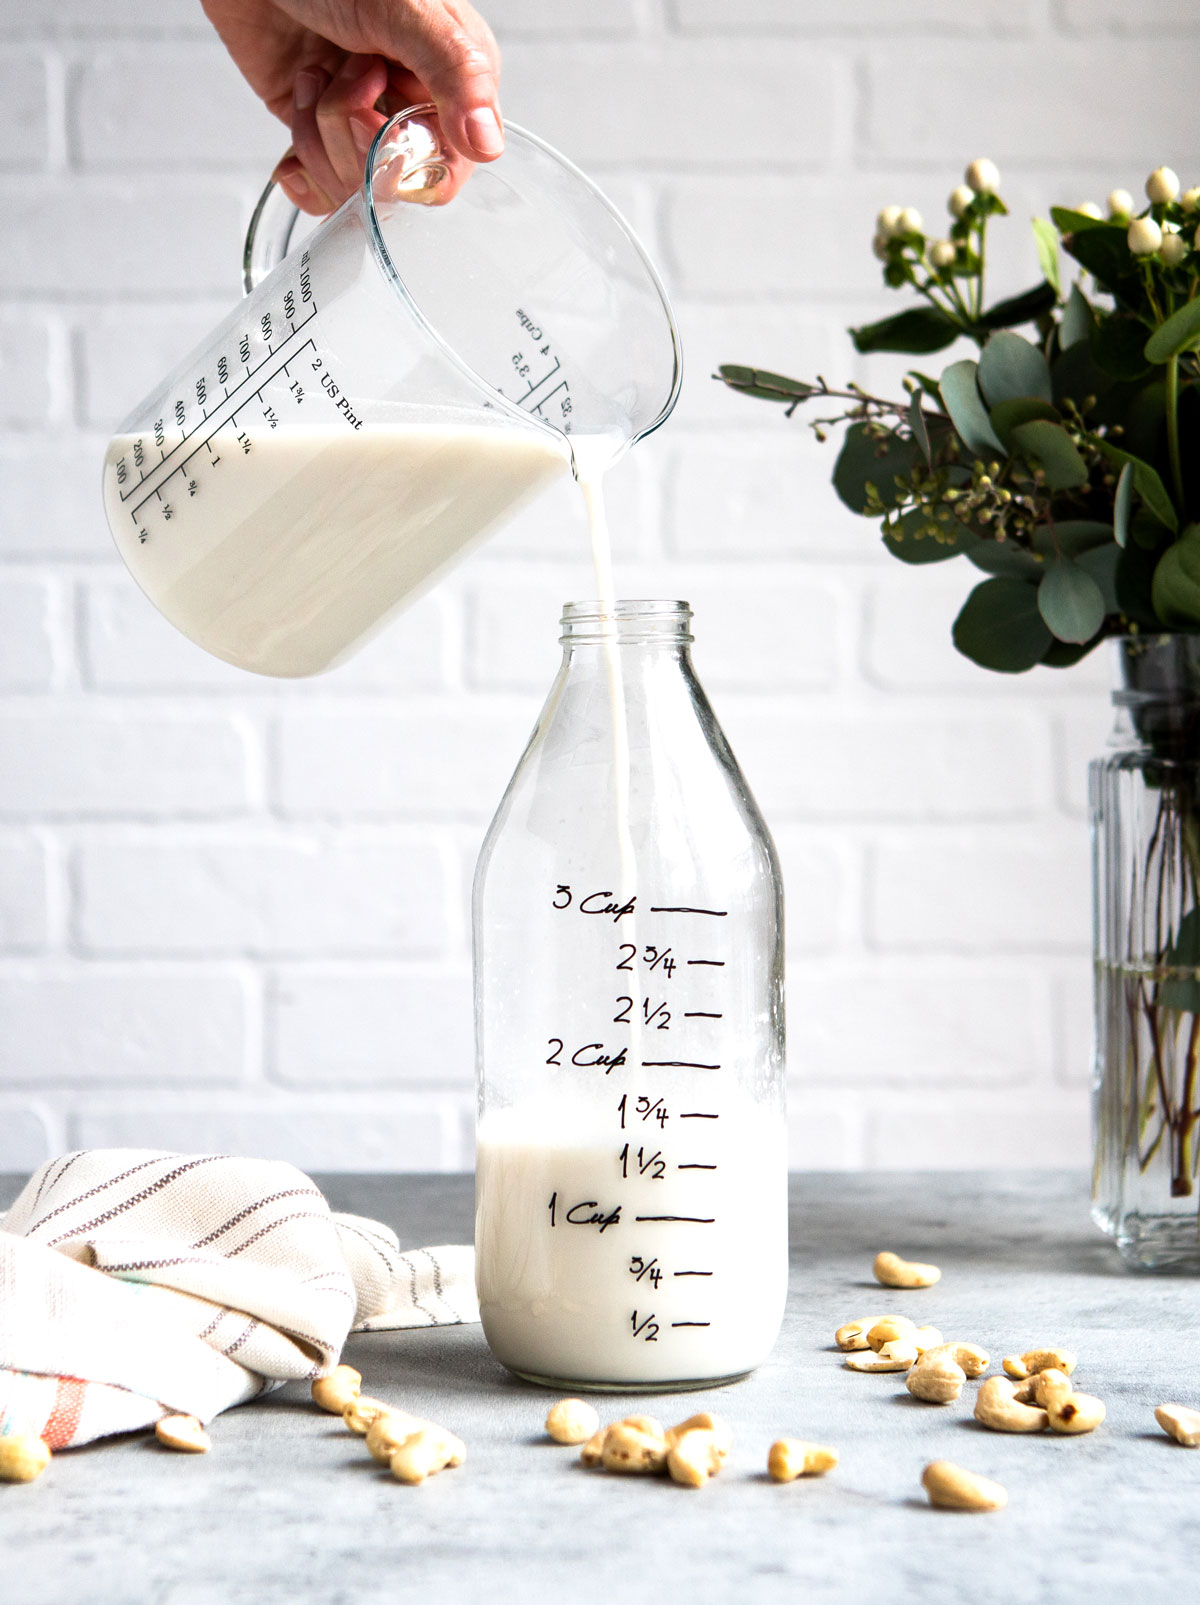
997 1406
1177 1421
694 1457
953 1488
895 1356
592 1452
789 1458
572 1421
427 1451
973 1360
936 1378
1078 1412
360 1412
893 1271
23 1458
1019 1367
853 1335
1045 1388
183 1432
637 1445
702 1421
889 1329
926 1338
388 1430
338 1389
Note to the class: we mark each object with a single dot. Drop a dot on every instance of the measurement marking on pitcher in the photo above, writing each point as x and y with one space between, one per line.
717 964
689 1220
691 1323
695 1115
717 913
691 1273
701 1014
676 1064
695 1167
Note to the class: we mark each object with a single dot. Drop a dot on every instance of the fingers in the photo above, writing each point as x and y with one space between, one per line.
451 50
347 121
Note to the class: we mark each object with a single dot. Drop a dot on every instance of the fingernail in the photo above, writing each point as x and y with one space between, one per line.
355 67
297 187
362 132
307 90
483 130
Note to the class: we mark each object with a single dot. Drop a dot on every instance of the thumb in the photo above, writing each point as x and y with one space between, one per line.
452 51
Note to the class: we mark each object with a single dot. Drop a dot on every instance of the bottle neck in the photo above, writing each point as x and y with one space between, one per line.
594 627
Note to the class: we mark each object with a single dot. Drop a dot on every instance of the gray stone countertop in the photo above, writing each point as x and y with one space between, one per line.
288 1508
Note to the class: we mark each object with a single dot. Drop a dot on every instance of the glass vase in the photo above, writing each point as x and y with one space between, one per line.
1145 821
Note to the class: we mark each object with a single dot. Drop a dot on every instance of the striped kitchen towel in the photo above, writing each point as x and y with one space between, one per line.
135 1285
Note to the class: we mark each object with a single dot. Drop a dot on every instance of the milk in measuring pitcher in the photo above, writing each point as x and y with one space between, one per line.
591 1269
280 550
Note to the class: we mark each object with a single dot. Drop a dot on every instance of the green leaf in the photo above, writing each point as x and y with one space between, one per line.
1176 588
1077 320
1054 449
916 422
1070 537
1003 557
1066 654
864 461
1068 222
1104 251
1007 415
1118 343
920 539
1101 563
1183 991
1122 504
1027 307
961 398
1145 481
1181 332
1046 236
1134 578
1010 368
1000 627
767 386
919 330
1078 377
1070 601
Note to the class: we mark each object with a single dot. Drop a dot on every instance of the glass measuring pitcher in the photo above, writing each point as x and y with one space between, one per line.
631 1179
387 393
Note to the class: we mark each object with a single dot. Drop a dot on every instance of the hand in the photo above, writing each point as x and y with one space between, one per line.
335 70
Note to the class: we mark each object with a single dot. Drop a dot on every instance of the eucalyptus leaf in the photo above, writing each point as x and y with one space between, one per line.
1077 319
766 386
1122 504
1054 449
1101 563
916 422
1071 536
1181 332
919 539
919 330
1118 343
1066 654
1134 579
1006 415
1176 588
1078 377
1000 627
961 398
1024 308
1011 368
1146 482
1183 991
1070 601
1046 237
864 460
1103 250
1004 557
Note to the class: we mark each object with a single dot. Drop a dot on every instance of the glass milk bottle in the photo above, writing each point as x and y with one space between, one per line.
631 1184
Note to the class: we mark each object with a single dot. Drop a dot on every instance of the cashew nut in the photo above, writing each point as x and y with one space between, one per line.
183 1432
429 1450
360 1412
1078 1412
895 1356
593 1450
893 1271
969 1356
694 1457
936 1378
1045 1388
1019 1367
1178 1422
996 1406
338 1389
888 1329
572 1421
853 1335
954 1488
628 1446
388 1430
704 1422
926 1338
789 1458
23 1458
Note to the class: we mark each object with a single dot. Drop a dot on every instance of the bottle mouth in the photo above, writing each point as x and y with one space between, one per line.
645 621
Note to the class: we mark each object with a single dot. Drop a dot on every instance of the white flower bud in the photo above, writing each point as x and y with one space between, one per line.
959 199
1190 200
1120 203
909 221
1173 249
1089 209
887 222
1162 186
942 253
880 247
1144 236
983 176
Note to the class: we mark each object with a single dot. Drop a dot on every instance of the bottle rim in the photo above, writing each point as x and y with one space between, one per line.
638 619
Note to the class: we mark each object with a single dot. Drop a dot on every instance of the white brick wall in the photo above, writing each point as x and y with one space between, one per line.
233 913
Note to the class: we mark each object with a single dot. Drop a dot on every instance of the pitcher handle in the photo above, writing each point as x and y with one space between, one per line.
411 166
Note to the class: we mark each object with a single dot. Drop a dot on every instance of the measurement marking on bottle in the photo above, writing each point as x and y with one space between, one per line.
701 1014
691 1273
717 913
696 1115
690 1220
695 1167
691 1323
717 964
676 1064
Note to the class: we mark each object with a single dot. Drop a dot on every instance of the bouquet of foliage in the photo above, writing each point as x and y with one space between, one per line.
1066 467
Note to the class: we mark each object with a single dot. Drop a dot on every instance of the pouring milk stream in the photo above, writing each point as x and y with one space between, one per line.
386 395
